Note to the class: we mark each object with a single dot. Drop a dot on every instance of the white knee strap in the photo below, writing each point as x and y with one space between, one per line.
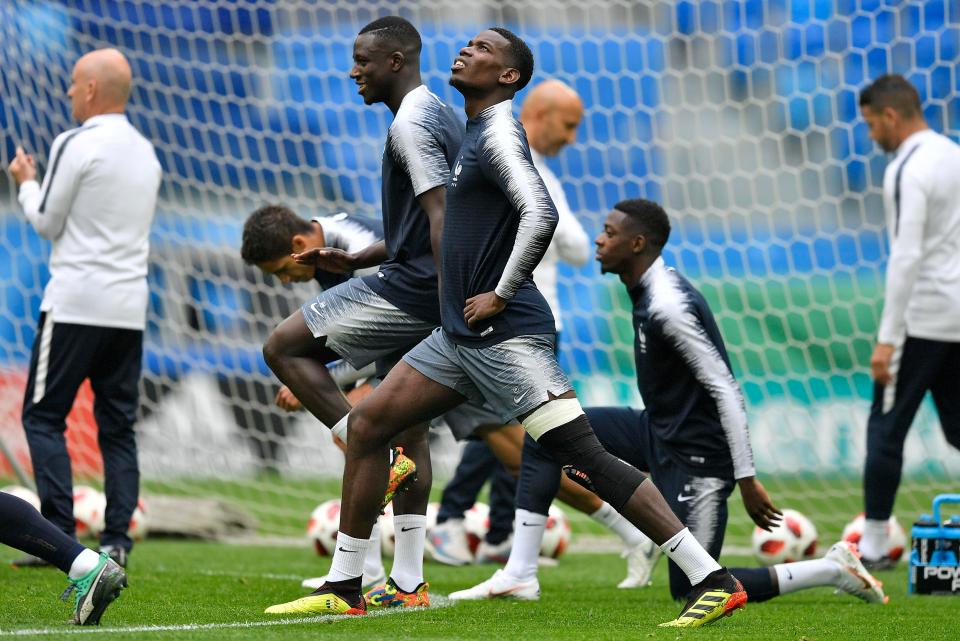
551 414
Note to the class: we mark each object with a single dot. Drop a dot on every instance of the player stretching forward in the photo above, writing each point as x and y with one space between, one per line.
692 436
496 344
370 318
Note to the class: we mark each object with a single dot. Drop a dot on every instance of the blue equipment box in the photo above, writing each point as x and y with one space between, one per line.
935 557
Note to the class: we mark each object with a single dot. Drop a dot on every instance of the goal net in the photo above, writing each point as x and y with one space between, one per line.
739 116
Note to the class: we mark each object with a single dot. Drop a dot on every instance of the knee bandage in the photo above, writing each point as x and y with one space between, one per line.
574 444
550 415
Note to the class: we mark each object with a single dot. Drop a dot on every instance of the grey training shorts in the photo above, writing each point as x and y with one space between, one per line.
514 377
360 325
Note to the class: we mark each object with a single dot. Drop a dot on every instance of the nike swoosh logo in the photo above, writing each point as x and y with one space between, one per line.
525 524
683 499
407 529
314 307
350 551
649 554
491 593
789 573
674 548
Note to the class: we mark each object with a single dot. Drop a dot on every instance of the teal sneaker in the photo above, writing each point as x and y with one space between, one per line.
95 590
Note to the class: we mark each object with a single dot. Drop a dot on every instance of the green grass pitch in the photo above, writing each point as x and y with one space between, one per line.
193 590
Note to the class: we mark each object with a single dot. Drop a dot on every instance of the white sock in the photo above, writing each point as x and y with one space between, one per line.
348 558
684 550
806 574
373 561
873 543
85 561
340 429
409 531
620 526
528 530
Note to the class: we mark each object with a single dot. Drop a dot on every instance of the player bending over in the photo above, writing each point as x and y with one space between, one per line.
692 436
95 579
378 317
495 344
269 235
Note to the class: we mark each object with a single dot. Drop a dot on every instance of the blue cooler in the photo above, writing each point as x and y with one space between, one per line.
935 557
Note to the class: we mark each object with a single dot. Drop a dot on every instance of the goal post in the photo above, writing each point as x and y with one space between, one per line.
740 117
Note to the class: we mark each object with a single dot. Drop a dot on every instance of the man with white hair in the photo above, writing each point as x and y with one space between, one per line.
96 205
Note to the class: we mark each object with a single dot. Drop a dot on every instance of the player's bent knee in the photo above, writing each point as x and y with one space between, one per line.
272 353
575 444
363 426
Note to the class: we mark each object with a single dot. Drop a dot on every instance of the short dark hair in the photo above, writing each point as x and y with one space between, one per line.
268 233
521 58
892 91
397 32
649 218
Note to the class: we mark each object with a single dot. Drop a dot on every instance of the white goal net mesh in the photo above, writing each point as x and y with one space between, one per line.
739 116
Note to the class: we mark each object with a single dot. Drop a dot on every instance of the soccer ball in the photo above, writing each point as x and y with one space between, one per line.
896 537
323 526
476 521
388 539
89 509
794 539
24 493
556 536
137 530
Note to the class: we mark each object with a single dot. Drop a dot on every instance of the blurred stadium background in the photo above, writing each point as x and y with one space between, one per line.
739 116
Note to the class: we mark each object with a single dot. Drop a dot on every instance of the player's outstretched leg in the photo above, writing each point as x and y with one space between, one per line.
95 580
564 431
405 398
840 568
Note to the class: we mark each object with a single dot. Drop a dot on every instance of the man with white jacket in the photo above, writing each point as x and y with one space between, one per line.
96 205
918 343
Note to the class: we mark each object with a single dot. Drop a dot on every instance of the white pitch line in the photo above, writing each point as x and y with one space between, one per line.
436 601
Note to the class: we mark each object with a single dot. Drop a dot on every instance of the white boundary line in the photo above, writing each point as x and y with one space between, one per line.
436 601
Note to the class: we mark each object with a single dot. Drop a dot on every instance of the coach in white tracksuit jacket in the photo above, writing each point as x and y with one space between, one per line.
550 116
918 344
96 204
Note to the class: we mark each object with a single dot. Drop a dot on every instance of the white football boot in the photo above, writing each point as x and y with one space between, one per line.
641 559
447 543
501 586
368 581
854 578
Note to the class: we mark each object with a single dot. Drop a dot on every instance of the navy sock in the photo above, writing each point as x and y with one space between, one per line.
757 582
22 527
